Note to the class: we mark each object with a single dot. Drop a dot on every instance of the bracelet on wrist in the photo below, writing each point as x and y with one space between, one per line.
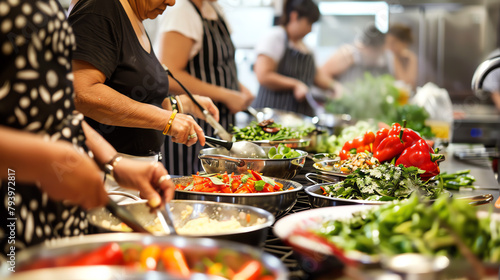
169 123
179 104
109 167
173 103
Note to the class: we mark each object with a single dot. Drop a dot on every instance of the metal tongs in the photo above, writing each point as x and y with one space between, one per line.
219 130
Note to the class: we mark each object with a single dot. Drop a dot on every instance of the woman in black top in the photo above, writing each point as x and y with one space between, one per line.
120 86
42 138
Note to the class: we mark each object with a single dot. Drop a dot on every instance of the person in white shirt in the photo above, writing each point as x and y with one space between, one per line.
285 66
194 43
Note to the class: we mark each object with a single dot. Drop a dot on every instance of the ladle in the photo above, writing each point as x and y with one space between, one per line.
241 149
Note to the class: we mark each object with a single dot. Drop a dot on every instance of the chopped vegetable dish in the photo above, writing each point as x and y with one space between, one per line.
252 182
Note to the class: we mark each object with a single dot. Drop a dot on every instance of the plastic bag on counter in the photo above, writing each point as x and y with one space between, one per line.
436 101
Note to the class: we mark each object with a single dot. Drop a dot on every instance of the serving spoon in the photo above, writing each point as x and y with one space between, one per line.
241 149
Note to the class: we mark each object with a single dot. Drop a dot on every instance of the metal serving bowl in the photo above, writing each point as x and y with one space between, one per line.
217 160
194 249
100 272
317 199
278 203
255 221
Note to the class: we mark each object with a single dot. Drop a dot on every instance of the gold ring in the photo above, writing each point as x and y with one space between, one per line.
194 135
163 178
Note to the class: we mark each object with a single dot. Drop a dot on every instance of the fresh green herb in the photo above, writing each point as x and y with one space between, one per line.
457 180
382 183
414 226
253 132
259 185
376 97
282 151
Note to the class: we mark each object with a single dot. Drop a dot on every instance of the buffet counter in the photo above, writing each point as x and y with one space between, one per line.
481 169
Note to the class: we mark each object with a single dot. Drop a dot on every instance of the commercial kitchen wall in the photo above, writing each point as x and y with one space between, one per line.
451 39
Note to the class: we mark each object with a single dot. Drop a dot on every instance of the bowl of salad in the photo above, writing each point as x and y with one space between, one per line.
365 236
119 255
274 195
281 162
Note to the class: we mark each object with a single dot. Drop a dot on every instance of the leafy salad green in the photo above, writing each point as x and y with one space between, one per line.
385 182
411 226
254 132
282 151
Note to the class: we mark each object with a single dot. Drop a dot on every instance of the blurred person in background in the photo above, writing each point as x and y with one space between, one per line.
491 82
48 153
285 66
194 42
366 54
398 40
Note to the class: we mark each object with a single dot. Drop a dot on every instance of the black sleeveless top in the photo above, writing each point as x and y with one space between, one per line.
106 39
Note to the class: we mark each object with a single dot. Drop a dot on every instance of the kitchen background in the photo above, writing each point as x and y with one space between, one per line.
451 38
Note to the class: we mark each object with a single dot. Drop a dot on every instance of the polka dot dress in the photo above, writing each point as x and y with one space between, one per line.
36 95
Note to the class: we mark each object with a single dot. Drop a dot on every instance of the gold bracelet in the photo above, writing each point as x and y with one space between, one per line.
170 121
179 104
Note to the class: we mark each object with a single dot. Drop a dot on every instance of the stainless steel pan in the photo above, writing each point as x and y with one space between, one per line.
217 160
255 222
277 203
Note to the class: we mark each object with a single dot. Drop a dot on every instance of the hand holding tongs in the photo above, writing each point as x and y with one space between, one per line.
219 130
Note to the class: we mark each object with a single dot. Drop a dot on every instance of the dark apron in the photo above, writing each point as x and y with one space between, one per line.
297 65
214 64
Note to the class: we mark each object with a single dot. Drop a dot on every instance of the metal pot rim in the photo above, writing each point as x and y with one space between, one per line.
270 219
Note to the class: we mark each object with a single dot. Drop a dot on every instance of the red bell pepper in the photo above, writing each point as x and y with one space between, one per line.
256 175
420 155
395 129
389 148
381 135
357 145
109 254
410 137
368 138
343 154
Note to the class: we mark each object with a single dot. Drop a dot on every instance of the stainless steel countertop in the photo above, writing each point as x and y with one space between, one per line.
479 168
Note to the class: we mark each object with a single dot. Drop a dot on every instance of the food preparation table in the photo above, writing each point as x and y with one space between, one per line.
480 168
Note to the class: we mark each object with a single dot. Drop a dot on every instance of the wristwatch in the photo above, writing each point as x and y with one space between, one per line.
109 167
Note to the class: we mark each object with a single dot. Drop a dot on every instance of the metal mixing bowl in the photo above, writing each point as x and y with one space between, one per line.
250 233
277 203
217 160
194 249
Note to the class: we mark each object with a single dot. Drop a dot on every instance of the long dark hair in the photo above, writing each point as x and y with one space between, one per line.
304 8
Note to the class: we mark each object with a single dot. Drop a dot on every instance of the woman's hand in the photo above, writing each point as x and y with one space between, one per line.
147 178
238 101
185 130
300 91
72 176
190 108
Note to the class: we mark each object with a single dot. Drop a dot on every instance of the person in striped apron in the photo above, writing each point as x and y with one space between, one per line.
194 43
285 66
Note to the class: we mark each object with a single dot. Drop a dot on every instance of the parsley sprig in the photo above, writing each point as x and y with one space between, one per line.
383 183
